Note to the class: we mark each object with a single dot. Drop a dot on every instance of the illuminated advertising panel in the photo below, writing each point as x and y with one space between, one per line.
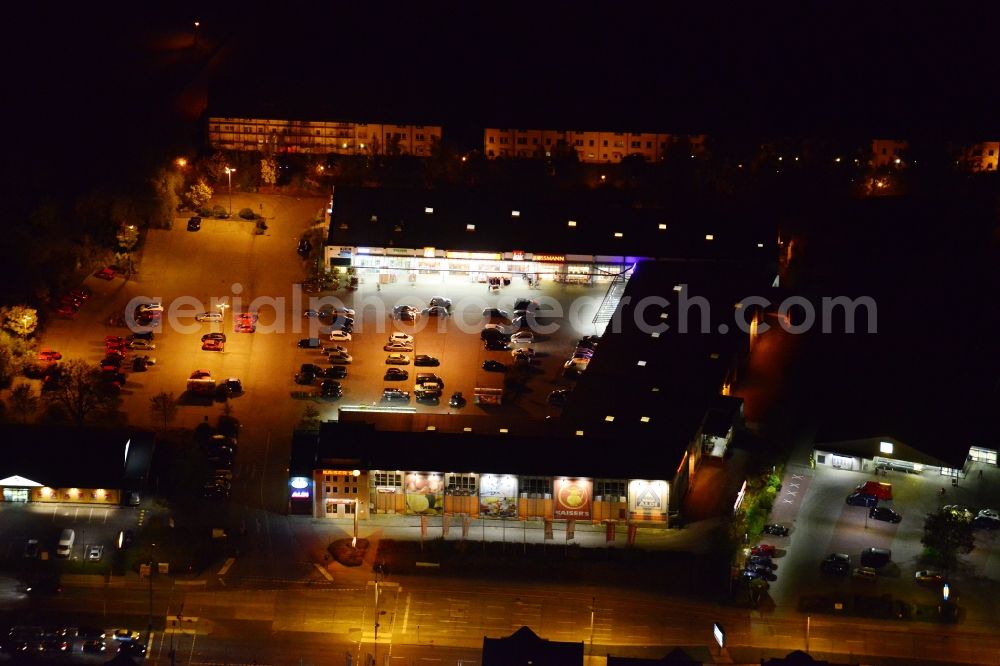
648 498
301 487
572 498
497 496
424 493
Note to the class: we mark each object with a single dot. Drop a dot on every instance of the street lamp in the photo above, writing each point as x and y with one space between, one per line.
197 24
229 175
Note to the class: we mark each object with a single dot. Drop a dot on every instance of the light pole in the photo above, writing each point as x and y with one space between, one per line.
197 24
149 625
229 174
593 608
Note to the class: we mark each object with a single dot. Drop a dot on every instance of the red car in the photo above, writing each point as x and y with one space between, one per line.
105 274
49 355
80 294
764 549
212 345
250 317
244 328
114 339
66 311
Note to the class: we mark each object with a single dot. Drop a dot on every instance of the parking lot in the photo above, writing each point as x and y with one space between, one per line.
812 504
94 526
225 260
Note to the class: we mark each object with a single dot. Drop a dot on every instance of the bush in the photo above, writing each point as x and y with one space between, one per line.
248 214
219 212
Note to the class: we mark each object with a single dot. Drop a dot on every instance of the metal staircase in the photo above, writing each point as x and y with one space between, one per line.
611 299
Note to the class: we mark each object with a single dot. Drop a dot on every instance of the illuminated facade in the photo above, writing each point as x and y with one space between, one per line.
274 136
983 156
888 151
590 146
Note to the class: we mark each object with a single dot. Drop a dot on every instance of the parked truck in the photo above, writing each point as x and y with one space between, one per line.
201 386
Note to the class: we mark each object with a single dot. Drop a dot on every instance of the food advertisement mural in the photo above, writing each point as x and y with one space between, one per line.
424 493
648 498
572 498
498 496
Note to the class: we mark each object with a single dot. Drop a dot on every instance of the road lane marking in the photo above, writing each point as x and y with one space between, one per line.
406 611
225 567
326 574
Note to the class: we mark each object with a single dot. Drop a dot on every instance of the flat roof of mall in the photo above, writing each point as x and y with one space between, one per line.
369 217
68 457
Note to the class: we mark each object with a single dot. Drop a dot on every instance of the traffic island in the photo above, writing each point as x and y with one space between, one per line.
348 551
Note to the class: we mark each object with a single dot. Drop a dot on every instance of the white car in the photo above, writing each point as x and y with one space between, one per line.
144 345
150 307
340 336
398 347
208 316
402 338
342 358
94 553
397 359
990 514
526 352
523 337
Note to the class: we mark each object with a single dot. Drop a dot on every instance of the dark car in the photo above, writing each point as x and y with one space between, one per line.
494 366
558 397
330 388
141 335
304 247
457 400
425 360
390 395
496 345
776 529
311 368
836 563
396 375
335 372
861 499
985 523
762 561
759 572
305 378
194 224
884 513
94 647
496 313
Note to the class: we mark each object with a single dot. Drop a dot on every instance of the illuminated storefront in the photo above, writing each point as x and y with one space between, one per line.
439 266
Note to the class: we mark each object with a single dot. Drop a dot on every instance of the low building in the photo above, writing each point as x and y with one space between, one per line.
74 465
589 146
525 648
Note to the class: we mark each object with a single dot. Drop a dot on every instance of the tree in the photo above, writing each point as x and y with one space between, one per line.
946 535
21 319
215 167
80 393
310 418
164 406
269 171
199 194
128 237
23 403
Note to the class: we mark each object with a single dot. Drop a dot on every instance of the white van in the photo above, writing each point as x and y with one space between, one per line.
66 540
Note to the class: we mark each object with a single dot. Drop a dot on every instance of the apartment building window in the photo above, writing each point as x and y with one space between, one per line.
491 140
420 137
330 478
663 145
560 142
990 152
605 143
388 479
536 486
609 490
883 151
328 490
489 153
578 142
521 141
637 144
591 144
548 142
461 484
534 141
619 144
503 140
216 128
649 144
334 489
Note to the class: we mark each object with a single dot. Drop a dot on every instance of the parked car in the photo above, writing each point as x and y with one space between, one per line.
194 224
762 561
861 499
494 366
436 311
397 347
395 374
403 338
558 397
988 513
213 345
310 343
496 313
125 635
335 349
759 572
94 647
208 316
144 345
424 360
81 293
985 523
429 378
341 359
397 359
105 274
523 352
66 311
457 400
884 513
776 529
523 337
866 573
221 337
440 301
496 345
334 372
928 577
836 563
49 355
340 336
391 395
305 378
765 549
330 388
95 553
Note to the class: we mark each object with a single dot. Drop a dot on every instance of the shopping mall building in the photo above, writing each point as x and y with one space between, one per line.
469 236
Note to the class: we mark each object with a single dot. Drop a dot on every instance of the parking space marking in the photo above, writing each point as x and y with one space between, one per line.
787 501
798 477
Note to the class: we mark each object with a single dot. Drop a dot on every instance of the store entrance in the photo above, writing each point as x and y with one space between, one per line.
15 494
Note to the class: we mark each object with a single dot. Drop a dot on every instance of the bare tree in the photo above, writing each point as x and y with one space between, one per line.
80 393
164 406
23 403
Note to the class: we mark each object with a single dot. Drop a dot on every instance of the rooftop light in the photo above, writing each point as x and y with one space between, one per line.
661 226
428 210
374 218
760 245
571 223
467 429
579 433
709 236
656 389
714 356
431 428
618 234
504 430
885 447
470 227
644 419
678 287
664 315
609 418
515 213
641 364
655 334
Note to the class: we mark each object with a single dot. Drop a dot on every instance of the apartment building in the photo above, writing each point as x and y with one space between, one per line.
982 156
590 146
321 137
888 151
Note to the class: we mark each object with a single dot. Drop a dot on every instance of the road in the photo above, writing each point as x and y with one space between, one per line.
437 618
